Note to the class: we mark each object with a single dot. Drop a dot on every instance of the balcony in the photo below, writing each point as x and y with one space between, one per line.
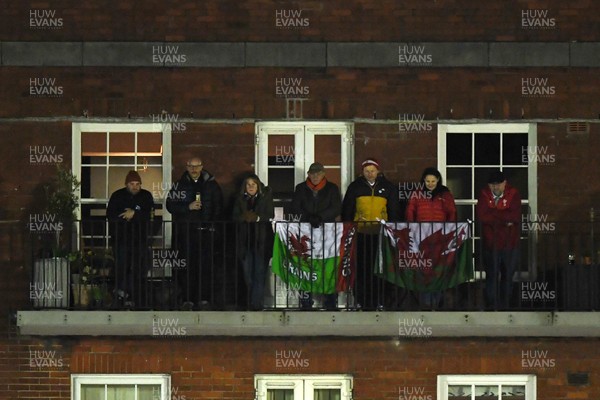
195 272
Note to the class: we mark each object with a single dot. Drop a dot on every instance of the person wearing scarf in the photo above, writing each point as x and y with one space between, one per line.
316 201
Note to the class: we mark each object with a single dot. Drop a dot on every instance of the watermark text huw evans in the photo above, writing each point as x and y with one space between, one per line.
44 19
291 19
537 19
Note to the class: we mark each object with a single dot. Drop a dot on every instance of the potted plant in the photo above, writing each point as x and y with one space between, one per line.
53 270
62 198
90 268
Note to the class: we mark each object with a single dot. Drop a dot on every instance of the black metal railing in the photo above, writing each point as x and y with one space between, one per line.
229 266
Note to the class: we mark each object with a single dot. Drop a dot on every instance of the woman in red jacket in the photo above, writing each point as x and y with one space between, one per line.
431 202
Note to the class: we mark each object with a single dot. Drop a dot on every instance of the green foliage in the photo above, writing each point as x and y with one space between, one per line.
61 195
88 263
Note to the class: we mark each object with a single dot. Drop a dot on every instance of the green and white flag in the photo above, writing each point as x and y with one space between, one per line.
309 258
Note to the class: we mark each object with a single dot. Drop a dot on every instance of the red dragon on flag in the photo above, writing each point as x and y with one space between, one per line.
425 256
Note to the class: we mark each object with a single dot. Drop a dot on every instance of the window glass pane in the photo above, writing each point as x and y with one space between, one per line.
99 160
458 181
487 149
121 160
152 182
281 150
149 392
517 177
327 149
93 182
464 212
481 179
121 392
327 394
459 392
486 392
121 142
146 161
92 392
513 392
93 143
280 394
150 143
513 147
458 149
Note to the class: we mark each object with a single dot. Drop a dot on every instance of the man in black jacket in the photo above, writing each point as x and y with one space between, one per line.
195 202
128 213
316 201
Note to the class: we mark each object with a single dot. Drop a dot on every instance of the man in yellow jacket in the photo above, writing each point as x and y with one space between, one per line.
368 200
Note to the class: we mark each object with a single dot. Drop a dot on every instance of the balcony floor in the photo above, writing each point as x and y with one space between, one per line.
409 325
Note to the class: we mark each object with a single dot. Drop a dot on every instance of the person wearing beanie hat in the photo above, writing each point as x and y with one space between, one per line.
499 213
128 213
370 199
131 203
133 176
370 161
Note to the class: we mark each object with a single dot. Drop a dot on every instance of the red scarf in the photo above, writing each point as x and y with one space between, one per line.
318 187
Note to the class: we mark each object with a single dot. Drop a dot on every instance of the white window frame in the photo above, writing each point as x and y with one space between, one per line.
107 127
532 197
304 155
529 381
530 128
77 380
303 385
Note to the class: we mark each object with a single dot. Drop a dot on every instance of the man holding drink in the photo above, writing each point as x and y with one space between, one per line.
195 201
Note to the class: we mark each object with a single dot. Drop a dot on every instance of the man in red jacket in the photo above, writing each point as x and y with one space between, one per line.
499 212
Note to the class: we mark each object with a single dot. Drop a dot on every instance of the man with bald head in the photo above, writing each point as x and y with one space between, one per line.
195 201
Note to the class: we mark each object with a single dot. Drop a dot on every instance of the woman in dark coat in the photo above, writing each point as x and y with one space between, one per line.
252 210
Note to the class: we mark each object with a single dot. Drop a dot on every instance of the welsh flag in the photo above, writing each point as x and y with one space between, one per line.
426 256
311 259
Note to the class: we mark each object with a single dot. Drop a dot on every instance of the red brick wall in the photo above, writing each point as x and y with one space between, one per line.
335 93
221 368
567 189
336 20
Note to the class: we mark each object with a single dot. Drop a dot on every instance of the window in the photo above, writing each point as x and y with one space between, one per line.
303 387
486 387
467 153
285 150
120 387
103 153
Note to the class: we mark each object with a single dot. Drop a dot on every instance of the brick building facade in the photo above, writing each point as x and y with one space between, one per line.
532 62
